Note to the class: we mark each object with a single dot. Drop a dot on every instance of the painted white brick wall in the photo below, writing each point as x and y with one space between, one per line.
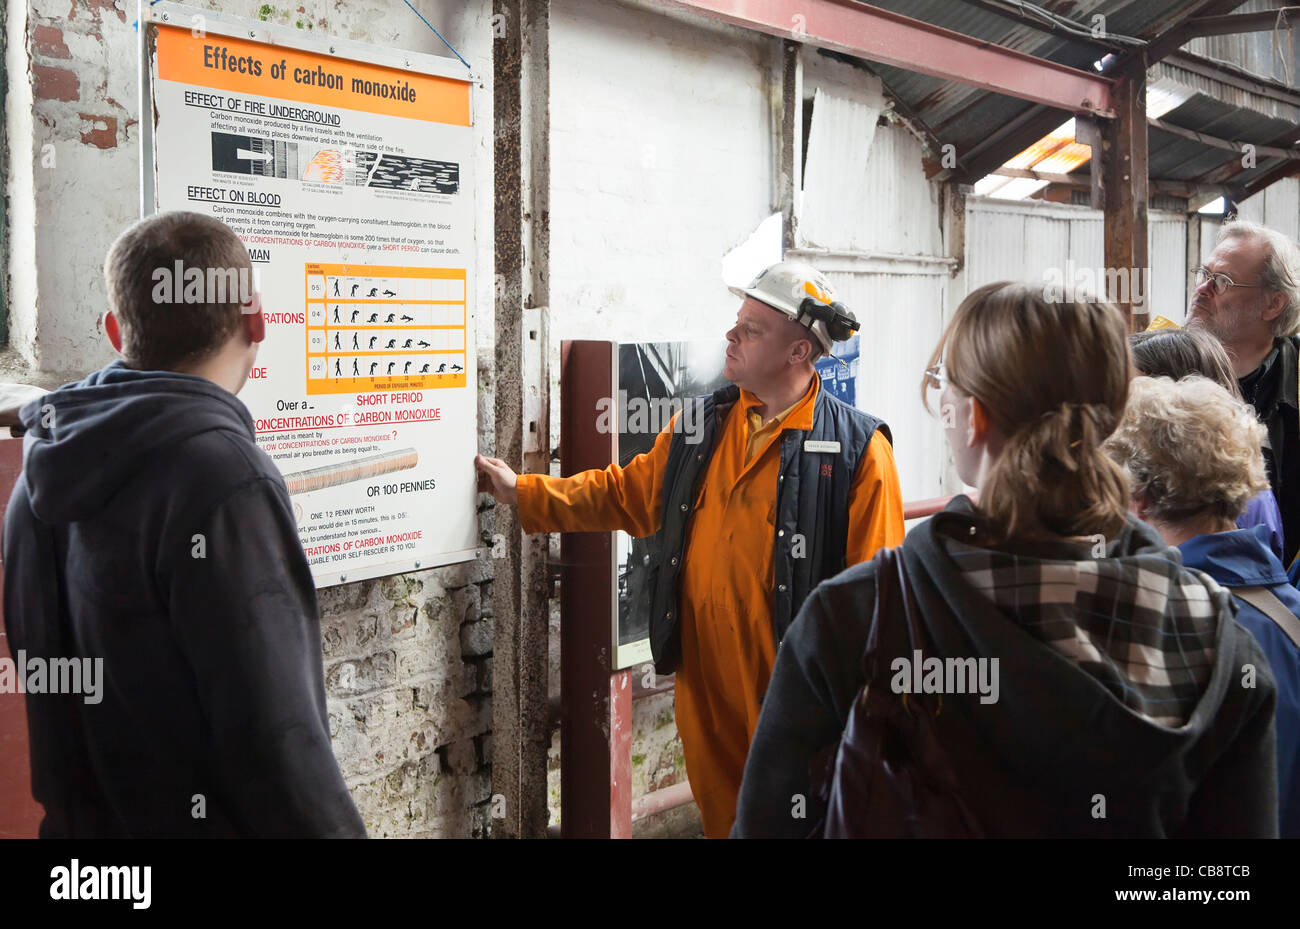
661 163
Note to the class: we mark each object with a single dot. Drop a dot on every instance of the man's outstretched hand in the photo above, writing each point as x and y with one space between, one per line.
497 478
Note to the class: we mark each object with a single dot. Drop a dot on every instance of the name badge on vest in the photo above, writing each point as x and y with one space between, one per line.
811 445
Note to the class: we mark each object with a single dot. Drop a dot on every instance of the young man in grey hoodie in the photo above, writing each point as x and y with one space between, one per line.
153 543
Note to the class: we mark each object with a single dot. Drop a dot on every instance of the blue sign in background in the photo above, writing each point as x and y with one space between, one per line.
841 381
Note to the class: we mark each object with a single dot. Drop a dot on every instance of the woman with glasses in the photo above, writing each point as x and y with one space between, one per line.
1075 679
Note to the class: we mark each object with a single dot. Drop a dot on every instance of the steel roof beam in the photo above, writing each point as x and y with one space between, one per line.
884 37
1235 23
1036 122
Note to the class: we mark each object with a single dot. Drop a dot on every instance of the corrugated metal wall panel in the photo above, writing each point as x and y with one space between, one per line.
1282 206
1276 206
1262 53
864 189
1030 242
1252 209
1209 232
1167 283
1027 242
1088 239
902 318
835 174
984 263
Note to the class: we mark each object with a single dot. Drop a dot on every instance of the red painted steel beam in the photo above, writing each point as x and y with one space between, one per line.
918 509
20 814
595 700
878 35
620 756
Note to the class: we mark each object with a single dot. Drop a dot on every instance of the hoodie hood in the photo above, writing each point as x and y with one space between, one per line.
1128 648
86 439
1238 558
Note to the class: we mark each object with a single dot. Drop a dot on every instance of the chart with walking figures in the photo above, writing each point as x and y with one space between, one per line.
372 327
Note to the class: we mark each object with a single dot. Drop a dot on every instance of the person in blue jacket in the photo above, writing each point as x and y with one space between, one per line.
1192 454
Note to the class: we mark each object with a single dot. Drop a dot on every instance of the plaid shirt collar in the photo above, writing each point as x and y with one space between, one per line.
1142 625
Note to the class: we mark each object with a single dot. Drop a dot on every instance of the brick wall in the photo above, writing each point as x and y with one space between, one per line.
408 675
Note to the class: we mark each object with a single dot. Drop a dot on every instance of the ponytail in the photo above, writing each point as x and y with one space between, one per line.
1052 477
1053 377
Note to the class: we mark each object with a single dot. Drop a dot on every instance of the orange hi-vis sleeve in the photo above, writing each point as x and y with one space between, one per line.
875 504
599 500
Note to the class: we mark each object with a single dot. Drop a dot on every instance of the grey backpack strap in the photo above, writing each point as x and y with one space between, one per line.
1264 600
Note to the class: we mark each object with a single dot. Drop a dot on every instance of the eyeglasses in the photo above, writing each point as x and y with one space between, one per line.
1221 281
936 376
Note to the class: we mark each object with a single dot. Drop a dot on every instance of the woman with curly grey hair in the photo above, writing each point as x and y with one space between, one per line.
1192 453
1176 353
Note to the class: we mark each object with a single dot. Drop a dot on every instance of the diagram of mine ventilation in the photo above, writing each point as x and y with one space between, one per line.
384 328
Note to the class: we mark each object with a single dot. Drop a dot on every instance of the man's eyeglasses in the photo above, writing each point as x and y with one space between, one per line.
1221 281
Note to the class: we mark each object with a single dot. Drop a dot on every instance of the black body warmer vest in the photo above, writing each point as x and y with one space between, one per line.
812 509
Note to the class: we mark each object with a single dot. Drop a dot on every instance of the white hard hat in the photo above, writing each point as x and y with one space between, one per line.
785 285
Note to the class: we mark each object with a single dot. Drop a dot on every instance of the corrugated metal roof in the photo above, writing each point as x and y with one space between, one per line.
1256 52
1174 156
978 122
963 115
1231 93
1055 153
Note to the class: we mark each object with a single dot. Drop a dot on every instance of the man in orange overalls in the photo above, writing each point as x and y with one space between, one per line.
781 487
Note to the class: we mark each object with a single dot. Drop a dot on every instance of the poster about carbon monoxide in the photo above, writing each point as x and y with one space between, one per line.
350 183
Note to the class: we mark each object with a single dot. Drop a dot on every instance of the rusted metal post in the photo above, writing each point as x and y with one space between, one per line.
791 147
1124 162
595 703
520 738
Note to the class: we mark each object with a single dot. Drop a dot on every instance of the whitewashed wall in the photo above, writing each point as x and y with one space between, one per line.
901 324
661 163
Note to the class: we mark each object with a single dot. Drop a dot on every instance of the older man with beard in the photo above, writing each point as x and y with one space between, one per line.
1248 296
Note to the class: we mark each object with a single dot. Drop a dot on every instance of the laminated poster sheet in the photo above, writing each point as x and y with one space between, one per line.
349 177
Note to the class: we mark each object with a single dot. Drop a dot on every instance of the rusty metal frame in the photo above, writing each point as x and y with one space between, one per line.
595 700
889 38
20 814
1126 193
1236 23
520 85
1037 121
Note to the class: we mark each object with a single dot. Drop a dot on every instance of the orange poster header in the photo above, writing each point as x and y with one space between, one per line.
257 69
